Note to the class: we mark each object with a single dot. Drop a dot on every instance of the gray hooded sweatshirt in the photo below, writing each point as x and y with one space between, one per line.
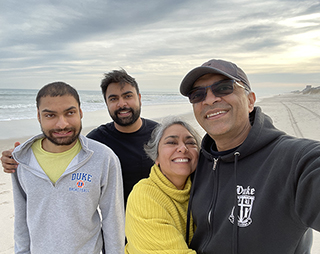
64 217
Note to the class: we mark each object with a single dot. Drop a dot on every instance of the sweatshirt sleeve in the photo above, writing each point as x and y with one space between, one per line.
307 191
21 232
112 207
149 226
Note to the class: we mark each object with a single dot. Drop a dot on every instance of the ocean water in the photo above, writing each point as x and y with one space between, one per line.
18 104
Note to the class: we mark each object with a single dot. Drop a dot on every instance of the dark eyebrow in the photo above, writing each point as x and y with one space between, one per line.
52 111
47 111
112 95
68 109
125 93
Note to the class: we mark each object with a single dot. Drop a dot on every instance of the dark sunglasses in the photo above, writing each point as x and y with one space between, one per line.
219 89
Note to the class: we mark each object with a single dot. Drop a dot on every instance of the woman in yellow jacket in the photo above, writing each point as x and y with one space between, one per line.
156 211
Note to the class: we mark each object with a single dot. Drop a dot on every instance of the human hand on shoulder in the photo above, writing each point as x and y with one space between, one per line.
8 163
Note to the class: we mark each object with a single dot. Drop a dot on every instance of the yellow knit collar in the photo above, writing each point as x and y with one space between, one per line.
168 187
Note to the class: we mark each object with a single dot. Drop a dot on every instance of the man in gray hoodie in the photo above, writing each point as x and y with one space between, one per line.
62 180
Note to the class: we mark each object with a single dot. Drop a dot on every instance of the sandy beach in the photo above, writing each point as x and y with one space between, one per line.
296 114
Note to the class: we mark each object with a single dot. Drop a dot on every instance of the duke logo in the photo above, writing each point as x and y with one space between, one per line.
80 184
245 202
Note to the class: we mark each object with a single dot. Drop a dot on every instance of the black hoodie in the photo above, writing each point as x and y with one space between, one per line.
275 180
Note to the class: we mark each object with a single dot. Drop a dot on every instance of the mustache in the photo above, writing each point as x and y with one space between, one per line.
60 130
121 109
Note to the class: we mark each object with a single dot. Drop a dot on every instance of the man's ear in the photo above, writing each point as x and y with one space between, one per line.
139 96
251 101
38 116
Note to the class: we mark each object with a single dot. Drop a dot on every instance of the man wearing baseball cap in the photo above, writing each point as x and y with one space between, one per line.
256 189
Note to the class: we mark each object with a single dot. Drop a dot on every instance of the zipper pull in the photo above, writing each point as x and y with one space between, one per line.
215 162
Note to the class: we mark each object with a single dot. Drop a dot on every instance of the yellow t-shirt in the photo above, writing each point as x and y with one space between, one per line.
54 164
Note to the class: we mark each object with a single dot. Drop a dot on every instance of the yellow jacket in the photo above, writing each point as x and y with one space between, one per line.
156 216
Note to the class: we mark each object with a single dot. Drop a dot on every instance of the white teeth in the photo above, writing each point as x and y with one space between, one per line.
181 160
216 113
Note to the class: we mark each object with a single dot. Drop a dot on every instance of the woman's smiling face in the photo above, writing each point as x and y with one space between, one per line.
178 154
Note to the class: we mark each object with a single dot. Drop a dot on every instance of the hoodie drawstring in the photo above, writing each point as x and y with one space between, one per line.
236 207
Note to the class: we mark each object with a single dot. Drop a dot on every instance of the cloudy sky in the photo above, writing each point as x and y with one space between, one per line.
276 42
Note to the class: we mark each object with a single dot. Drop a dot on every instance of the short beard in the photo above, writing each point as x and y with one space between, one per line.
126 121
62 141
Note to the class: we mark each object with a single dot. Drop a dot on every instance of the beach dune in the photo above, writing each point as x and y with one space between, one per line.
296 114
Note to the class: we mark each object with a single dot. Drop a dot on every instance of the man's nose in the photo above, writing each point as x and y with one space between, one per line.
122 102
62 122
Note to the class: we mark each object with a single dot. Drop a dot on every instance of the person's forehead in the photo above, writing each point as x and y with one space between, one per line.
176 130
211 78
55 102
118 88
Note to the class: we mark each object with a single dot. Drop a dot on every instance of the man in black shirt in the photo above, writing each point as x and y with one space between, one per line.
128 132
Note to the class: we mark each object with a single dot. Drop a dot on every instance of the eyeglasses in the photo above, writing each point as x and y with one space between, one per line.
219 89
